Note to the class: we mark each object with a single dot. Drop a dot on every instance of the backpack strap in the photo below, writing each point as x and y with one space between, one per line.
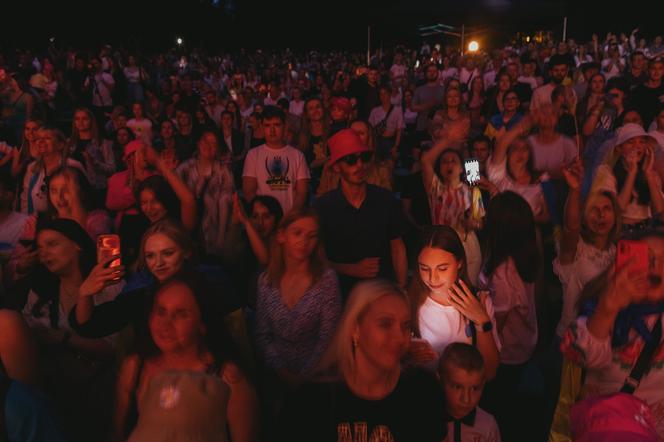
634 379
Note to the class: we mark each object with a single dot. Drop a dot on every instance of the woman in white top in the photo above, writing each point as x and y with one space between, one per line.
135 76
445 309
511 167
587 243
140 125
629 173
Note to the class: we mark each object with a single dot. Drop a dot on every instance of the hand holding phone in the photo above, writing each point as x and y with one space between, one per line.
108 246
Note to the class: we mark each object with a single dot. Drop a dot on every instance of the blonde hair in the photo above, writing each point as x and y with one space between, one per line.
339 359
616 230
276 267
172 230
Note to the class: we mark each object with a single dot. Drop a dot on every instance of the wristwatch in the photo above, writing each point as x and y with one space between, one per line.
485 327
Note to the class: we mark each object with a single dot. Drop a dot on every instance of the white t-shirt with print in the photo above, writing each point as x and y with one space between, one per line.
142 129
277 172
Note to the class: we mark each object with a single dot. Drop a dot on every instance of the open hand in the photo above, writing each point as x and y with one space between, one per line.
468 304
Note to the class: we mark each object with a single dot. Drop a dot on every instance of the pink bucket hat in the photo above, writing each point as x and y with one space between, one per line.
345 142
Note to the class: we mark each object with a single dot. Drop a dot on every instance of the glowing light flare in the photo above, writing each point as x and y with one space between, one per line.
473 46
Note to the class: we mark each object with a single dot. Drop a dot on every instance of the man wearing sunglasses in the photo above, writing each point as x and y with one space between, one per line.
361 225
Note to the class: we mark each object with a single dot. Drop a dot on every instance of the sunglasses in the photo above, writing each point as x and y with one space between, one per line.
352 159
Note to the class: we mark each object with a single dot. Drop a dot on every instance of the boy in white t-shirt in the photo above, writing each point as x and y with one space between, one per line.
275 168
461 372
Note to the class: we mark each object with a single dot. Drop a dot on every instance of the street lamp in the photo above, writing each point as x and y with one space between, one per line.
179 41
473 46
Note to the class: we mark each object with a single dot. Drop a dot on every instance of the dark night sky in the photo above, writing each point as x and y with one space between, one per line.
335 24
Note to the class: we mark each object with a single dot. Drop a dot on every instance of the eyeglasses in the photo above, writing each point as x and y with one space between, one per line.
352 159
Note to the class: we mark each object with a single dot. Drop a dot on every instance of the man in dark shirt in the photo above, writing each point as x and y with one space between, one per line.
636 74
361 225
649 96
366 92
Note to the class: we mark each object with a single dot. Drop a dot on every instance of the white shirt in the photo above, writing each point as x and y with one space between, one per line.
142 129
552 157
394 121
530 81
484 430
398 70
42 320
532 193
11 229
511 296
588 262
276 171
296 107
442 325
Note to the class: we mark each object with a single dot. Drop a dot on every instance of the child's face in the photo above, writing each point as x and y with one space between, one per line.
338 114
463 390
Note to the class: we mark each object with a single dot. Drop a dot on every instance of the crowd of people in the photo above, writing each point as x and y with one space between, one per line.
423 247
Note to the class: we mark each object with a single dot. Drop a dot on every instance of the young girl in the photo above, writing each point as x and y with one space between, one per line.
185 335
449 196
445 309
299 301
510 270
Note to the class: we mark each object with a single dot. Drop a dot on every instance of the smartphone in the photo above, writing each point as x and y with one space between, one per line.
637 251
472 166
108 246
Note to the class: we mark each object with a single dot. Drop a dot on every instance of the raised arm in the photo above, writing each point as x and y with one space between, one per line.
572 215
504 140
455 132
182 191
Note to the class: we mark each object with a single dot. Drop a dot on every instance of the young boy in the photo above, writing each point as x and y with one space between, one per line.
340 109
461 372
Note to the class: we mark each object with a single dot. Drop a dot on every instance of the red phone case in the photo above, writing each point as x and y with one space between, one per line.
635 250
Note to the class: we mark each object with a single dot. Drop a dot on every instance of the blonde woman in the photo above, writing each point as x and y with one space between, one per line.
366 393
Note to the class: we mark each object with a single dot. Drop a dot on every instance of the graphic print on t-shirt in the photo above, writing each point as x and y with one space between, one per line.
277 172
379 434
